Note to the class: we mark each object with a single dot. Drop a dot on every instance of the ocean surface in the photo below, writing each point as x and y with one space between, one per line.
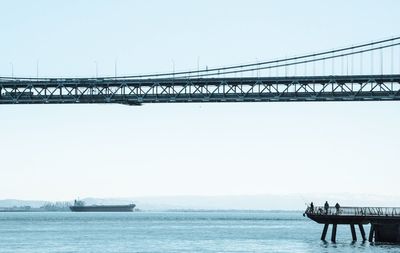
225 231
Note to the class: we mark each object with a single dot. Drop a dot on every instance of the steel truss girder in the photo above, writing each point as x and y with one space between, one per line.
245 89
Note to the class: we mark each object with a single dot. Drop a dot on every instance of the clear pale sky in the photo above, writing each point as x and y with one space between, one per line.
66 151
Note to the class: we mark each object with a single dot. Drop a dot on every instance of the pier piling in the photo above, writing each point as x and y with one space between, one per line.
362 232
334 227
353 232
324 232
371 233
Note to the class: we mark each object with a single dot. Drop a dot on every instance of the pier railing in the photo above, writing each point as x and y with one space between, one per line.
354 211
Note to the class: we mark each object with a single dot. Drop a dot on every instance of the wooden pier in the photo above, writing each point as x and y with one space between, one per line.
385 221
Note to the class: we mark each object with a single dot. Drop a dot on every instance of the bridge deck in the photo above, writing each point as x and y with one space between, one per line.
181 90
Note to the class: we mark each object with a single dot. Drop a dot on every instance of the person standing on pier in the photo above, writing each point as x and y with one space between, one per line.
326 207
337 206
311 207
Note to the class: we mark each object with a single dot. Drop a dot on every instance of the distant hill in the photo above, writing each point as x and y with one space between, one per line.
17 202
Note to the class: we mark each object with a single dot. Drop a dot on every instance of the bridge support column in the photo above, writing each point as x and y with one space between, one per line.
362 232
333 237
371 233
353 232
324 232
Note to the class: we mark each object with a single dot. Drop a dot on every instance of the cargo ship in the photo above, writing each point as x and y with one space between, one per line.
79 206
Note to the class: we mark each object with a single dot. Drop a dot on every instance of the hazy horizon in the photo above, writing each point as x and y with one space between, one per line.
231 202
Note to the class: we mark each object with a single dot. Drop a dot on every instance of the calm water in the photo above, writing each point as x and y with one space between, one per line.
171 232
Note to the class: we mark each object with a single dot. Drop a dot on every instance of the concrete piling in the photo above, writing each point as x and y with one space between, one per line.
353 232
324 232
333 237
371 233
362 232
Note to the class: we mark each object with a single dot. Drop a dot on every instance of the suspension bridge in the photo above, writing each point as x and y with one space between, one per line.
363 72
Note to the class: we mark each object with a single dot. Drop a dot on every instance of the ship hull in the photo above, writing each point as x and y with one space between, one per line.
103 208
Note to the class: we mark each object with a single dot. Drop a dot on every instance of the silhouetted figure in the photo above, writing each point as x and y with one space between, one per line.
311 207
326 207
337 206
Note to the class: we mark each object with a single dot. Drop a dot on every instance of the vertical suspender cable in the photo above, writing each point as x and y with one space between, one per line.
381 61
372 60
391 59
352 62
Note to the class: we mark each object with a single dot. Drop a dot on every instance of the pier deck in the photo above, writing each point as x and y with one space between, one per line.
385 221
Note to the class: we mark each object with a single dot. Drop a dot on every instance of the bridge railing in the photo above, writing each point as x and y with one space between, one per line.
354 211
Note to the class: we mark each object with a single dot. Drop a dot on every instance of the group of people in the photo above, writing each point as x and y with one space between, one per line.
311 208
